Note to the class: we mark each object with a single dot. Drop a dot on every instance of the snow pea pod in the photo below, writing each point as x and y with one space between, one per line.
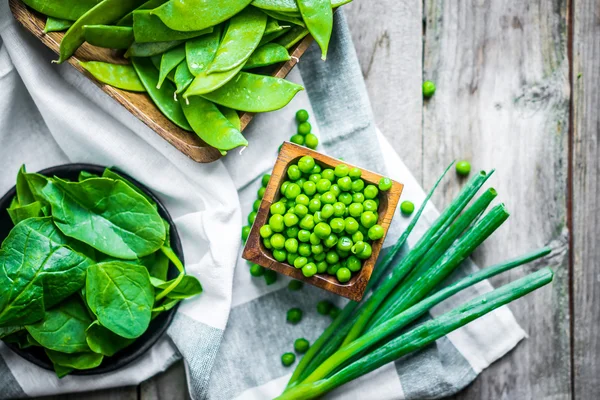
205 83
200 52
272 26
212 126
120 76
151 49
284 17
103 13
269 54
242 37
108 36
270 37
163 97
127 20
169 61
69 10
254 93
289 5
292 37
318 16
183 77
149 28
195 15
232 116
56 25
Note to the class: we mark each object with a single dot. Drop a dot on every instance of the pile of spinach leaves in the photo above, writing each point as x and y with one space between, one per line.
84 270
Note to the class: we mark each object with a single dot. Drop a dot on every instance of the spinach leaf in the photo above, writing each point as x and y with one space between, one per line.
104 341
32 342
121 296
18 213
187 287
38 270
108 173
157 265
75 361
24 194
9 330
83 175
63 328
165 306
107 215
61 371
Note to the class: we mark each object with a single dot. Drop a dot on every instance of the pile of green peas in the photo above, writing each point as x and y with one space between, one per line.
304 137
325 220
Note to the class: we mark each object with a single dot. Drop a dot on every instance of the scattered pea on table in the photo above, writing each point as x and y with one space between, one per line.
294 315
428 89
463 168
324 307
407 207
301 345
288 359
295 285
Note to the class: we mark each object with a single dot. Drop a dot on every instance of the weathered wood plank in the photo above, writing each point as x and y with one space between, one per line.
586 206
502 102
171 385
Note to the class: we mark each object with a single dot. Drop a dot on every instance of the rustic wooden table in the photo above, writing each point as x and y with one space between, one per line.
516 92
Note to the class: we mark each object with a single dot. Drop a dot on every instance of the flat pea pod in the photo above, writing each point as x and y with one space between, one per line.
69 10
205 83
149 28
242 37
150 49
254 93
127 20
103 13
289 5
183 77
272 26
169 61
284 17
121 76
318 16
232 116
195 15
212 126
108 36
56 25
292 37
272 36
163 97
200 52
268 54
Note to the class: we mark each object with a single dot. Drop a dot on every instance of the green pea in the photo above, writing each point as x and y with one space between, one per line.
333 268
358 185
358 198
322 265
345 198
302 116
117 75
314 239
335 189
309 188
318 217
245 233
328 198
290 204
307 223
295 285
288 359
368 219
292 232
292 191
291 245
344 244
276 223
280 255
428 89
291 258
353 264
309 270
311 141
463 168
330 241
306 164
265 231
322 230
345 183
323 185
251 217
407 207
328 174
351 225
342 170
294 172
304 250
261 192
277 208
304 235
302 199
355 209
357 236
371 192
265 180
300 210
366 253
343 274
267 243
319 257
301 345
304 128
337 225
375 232
334 312
324 306
385 184
332 257
270 277
290 219
314 205
256 270
355 173
298 139
370 205
339 209
317 249
277 241
300 262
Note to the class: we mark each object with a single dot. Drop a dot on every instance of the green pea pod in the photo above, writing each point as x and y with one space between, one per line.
254 93
292 37
268 54
163 97
200 52
120 76
56 25
183 77
105 12
169 61
149 28
289 5
284 17
271 37
272 26
69 10
150 49
212 126
243 35
204 83
318 16
195 15
127 20
108 36
232 116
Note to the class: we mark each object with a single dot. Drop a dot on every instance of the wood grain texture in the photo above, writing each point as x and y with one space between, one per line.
126 393
255 251
585 190
502 101
170 385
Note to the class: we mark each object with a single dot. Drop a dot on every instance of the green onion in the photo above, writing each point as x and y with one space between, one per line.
422 335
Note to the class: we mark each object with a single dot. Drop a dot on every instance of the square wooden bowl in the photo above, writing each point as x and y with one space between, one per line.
139 104
256 252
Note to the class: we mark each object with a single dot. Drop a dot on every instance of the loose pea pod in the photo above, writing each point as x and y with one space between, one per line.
195 15
212 126
163 97
293 36
268 54
156 62
272 36
118 75
103 13
127 20
169 61
289 5
200 52
204 83
183 77
150 49
232 116
285 17
56 25
272 26
69 10
254 93
318 16
108 36
242 37
149 28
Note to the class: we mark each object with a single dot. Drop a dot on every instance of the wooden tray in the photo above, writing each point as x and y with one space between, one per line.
139 104
256 252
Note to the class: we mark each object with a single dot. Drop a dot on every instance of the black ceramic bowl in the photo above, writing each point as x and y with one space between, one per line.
157 327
